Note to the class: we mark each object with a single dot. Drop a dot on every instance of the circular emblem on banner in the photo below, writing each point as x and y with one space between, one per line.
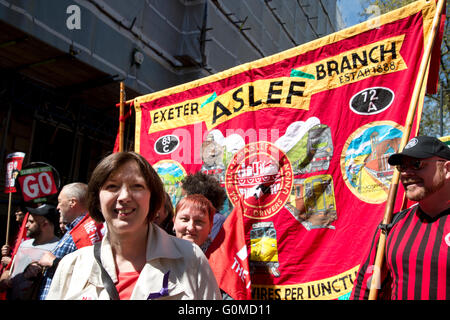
260 177
364 160
372 100
167 144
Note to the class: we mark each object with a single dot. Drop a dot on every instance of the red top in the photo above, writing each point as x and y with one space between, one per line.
125 286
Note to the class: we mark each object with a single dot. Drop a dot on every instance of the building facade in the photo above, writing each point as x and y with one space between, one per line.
62 62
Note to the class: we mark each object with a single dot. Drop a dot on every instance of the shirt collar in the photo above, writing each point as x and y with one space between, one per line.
71 225
161 245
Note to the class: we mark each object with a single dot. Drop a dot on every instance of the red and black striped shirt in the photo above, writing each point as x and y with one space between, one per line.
417 259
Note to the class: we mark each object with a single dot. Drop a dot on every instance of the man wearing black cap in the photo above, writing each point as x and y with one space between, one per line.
418 239
41 225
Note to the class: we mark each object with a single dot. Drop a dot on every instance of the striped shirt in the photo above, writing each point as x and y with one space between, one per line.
417 259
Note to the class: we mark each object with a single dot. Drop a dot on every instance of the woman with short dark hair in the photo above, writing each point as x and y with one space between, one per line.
136 259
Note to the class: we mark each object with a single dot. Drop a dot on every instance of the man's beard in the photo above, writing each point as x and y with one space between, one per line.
33 233
424 191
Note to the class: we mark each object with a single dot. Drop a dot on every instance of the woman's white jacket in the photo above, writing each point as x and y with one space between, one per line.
78 276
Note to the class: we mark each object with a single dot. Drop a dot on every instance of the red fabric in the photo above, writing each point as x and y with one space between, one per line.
21 236
116 143
86 232
122 119
433 75
125 286
230 268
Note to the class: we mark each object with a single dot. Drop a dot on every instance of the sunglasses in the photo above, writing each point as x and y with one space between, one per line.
414 165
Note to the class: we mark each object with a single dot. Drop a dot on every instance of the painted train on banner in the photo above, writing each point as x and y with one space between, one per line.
300 142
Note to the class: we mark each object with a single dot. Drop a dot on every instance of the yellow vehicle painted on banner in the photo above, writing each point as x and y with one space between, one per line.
263 248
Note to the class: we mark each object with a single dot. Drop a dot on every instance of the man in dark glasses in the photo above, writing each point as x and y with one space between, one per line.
418 239
422 166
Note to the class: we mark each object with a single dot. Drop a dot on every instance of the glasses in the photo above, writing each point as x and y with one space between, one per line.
414 165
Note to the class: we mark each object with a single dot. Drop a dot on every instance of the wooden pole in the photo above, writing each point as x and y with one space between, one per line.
121 121
9 218
379 258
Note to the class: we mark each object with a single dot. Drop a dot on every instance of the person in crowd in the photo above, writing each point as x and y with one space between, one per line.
164 217
7 253
135 260
418 238
20 214
72 206
62 226
41 227
193 221
208 186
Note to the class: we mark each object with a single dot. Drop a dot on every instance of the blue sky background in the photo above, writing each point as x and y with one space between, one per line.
351 11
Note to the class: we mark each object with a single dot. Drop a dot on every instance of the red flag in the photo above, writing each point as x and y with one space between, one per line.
21 236
122 118
433 76
228 257
86 232
117 142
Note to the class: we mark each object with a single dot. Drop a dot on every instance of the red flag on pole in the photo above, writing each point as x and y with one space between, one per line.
228 257
435 61
21 236
86 232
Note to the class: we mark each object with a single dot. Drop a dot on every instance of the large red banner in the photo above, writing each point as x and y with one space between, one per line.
301 140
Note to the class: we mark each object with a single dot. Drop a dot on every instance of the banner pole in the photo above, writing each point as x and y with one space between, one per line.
9 218
379 258
121 120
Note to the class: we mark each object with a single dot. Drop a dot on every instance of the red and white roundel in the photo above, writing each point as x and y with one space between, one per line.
260 176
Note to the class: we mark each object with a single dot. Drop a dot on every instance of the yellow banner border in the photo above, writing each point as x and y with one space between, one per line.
339 277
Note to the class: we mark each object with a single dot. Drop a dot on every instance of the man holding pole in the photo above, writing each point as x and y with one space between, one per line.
41 229
417 248
7 254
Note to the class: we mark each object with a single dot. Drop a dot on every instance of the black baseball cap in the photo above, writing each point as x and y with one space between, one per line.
421 147
46 210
